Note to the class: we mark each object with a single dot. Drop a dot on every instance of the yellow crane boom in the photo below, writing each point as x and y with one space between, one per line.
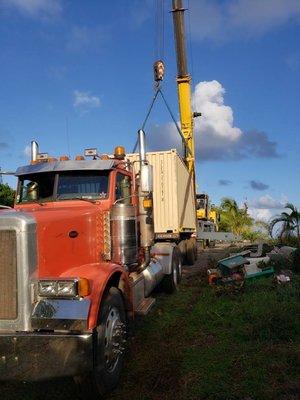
184 87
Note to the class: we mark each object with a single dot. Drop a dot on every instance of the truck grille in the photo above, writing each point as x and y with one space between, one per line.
8 275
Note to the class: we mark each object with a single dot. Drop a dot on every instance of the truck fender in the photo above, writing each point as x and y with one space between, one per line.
101 276
163 252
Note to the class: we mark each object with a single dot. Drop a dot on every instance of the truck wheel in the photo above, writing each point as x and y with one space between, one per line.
194 240
109 347
182 248
171 281
179 275
190 252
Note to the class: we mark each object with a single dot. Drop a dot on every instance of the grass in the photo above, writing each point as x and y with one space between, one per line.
199 346
195 345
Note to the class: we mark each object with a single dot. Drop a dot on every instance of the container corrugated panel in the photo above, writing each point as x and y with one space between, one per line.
173 199
8 275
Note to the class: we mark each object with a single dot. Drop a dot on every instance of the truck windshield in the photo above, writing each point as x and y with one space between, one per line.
67 185
86 185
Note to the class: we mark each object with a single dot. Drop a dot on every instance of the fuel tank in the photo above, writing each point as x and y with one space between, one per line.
123 234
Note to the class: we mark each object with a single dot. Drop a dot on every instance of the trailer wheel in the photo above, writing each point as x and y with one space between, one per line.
171 281
190 251
179 275
194 240
182 246
109 348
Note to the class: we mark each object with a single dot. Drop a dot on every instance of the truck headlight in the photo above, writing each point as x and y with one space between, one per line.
67 288
47 288
58 288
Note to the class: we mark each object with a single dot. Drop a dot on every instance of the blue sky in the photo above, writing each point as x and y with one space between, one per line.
85 67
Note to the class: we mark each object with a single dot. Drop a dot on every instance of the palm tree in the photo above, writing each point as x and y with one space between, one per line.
237 219
289 222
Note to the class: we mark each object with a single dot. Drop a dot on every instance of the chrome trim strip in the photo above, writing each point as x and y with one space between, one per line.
70 165
61 314
25 227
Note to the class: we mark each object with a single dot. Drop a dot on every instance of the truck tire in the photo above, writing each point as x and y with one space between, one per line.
194 240
190 252
108 349
182 248
170 282
179 275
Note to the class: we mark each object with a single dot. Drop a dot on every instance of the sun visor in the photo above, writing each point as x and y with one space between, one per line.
70 165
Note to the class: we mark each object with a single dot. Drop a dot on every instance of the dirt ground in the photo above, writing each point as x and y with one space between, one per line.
207 258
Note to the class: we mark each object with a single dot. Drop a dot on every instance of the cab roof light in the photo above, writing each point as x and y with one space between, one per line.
119 153
42 157
64 158
79 158
92 152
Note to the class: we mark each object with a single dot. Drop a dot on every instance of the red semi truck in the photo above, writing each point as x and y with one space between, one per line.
85 245
79 257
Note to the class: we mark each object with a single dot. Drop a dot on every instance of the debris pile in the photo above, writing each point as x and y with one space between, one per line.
252 262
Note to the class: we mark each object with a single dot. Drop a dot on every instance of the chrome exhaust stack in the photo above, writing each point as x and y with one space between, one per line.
34 150
145 200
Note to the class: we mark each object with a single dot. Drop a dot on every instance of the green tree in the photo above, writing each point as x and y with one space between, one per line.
288 222
233 218
7 195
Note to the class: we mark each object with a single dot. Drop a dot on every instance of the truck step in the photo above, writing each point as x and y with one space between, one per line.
145 306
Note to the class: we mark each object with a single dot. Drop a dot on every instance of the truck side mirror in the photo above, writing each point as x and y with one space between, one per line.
146 178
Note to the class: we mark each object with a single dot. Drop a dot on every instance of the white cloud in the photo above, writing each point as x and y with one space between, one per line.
218 21
84 101
217 119
265 207
35 8
216 136
260 214
268 201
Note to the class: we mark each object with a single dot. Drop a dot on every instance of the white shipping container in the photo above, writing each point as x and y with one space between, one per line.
173 194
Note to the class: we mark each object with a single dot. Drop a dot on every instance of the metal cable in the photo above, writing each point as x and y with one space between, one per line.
157 89
175 122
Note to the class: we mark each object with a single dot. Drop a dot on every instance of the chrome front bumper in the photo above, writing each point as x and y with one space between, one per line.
42 356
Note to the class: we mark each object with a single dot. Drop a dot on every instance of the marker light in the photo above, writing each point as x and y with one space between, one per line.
120 153
147 203
91 152
42 156
83 287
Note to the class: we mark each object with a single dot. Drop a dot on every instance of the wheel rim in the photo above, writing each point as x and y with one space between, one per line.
114 339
